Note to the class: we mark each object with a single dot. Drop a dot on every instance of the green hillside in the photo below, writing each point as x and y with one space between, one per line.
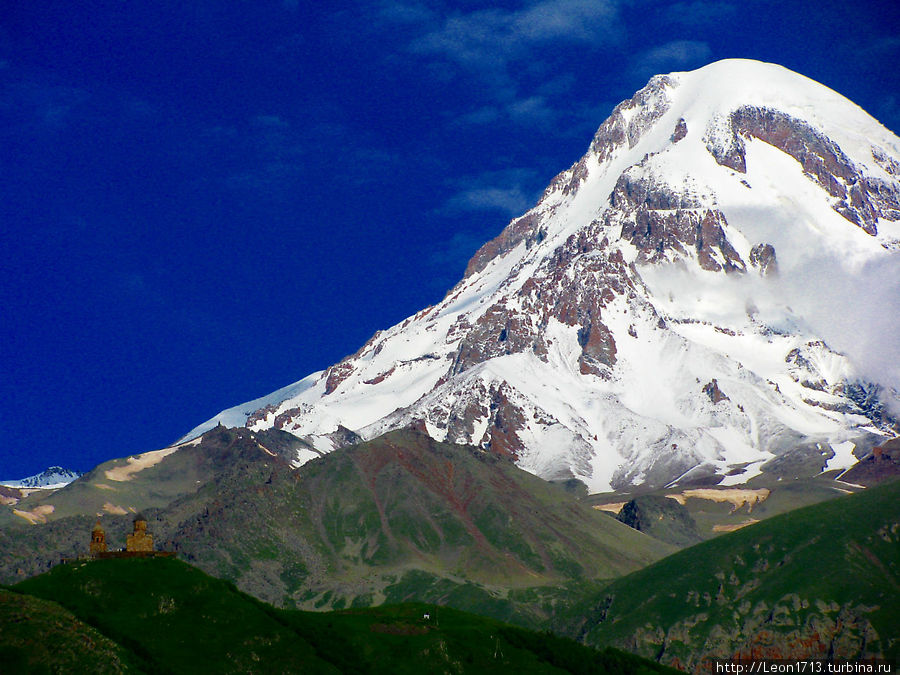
39 636
169 617
824 579
402 518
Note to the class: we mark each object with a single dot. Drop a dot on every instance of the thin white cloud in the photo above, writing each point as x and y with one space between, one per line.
508 200
676 55
505 191
487 40
856 311
572 20
404 12
533 110
485 115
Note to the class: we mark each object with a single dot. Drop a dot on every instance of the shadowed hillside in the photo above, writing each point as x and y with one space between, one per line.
161 615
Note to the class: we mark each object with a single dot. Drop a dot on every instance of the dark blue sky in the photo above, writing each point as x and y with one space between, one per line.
201 202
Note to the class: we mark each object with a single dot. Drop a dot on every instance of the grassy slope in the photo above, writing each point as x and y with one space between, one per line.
27 549
39 636
403 517
175 475
824 577
174 618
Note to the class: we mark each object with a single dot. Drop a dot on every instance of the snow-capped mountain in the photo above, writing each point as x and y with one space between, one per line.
51 478
713 285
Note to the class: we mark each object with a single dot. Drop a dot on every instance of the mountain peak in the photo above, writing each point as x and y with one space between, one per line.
50 478
688 245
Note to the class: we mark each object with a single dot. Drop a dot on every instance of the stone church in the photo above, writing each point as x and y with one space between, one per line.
137 544
140 539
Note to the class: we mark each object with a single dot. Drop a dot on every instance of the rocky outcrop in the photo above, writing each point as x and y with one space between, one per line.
791 628
521 229
715 394
663 222
816 582
762 257
882 464
662 518
859 198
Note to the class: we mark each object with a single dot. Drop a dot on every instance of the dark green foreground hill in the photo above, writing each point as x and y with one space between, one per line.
821 581
162 615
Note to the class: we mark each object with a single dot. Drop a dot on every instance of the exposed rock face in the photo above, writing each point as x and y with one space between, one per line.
769 633
859 199
662 518
659 221
521 229
580 337
715 394
762 257
880 466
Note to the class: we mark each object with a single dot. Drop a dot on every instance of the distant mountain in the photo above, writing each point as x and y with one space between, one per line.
155 478
54 477
178 620
818 582
706 292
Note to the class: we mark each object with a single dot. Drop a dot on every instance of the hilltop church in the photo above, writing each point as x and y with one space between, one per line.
138 544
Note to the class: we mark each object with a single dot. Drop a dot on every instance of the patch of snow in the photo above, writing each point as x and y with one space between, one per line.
843 457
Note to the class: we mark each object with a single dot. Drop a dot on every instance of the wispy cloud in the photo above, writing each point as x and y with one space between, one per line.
484 115
541 110
275 149
534 110
676 55
509 200
404 12
828 295
271 154
508 191
487 40
482 204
